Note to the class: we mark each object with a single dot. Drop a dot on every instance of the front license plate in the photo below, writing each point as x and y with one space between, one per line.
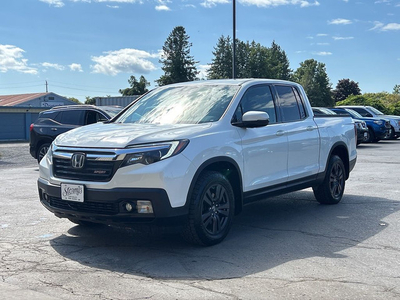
72 192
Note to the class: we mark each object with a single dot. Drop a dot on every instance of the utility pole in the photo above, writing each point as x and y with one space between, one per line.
46 87
234 41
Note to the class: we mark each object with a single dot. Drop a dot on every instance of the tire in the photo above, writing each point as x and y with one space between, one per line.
371 136
211 211
42 151
392 135
332 188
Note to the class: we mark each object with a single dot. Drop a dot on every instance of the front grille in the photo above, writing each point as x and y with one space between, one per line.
93 170
88 207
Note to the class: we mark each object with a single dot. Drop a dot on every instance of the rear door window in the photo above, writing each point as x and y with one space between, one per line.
289 105
71 117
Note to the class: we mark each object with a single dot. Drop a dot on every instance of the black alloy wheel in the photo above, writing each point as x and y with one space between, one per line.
42 151
211 211
331 190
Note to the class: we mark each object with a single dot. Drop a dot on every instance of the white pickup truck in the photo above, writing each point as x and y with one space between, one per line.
193 154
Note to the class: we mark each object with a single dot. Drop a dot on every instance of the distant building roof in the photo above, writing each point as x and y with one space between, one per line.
13 100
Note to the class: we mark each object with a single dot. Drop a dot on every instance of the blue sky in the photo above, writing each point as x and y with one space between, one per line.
92 47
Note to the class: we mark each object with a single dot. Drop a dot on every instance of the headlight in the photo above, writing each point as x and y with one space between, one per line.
378 122
148 154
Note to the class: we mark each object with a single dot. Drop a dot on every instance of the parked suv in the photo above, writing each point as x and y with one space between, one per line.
371 112
378 128
60 119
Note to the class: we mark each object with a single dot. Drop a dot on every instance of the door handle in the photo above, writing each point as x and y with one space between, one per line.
280 133
54 129
310 128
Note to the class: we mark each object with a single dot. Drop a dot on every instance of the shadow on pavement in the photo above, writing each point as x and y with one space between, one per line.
266 234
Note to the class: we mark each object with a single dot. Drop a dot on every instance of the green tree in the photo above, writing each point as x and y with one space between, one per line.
253 60
137 87
75 100
277 63
91 101
178 65
345 88
383 101
221 66
313 77
396 89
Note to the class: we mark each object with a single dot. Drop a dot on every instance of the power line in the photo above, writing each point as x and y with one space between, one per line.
84 90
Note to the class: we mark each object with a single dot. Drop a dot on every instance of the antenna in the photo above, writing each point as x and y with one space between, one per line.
46 87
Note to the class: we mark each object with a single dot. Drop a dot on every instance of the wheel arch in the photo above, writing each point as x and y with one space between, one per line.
227 167
340 149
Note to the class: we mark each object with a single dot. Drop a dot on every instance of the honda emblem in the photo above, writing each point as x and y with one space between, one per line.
78 160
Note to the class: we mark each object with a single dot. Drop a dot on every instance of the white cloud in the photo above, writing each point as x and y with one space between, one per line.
54 66
340 22
268 3
75 67
262 3
212 3
391 26
55 3
339 38
11 58
322 34
203 69
323 44
323 53
379 26
112 6
124 60
162 8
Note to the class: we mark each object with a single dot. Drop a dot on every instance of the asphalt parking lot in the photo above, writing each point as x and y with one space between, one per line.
287 247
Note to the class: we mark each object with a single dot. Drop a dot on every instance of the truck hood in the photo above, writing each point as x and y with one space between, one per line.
117 135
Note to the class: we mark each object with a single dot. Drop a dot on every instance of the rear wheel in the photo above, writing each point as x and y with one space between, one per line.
392 135
332 188
42 151
212 206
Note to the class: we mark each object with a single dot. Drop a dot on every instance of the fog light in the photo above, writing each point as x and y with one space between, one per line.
144 207
128 207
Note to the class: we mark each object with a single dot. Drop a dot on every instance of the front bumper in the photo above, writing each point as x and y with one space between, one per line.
108 206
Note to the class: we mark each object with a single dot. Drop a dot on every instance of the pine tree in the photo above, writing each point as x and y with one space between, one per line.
178 65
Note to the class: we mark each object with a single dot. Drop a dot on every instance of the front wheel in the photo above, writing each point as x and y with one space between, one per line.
212 206
332 188
42 151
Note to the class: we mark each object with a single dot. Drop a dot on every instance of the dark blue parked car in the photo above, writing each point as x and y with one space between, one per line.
378 128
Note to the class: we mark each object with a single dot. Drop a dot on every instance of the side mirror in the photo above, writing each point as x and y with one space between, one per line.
252 119
369 115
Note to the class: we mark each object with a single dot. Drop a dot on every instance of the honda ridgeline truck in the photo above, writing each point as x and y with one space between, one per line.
193 154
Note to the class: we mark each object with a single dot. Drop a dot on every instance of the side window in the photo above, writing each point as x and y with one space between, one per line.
361 111
288 103
71 117
48 118
300 101
257 98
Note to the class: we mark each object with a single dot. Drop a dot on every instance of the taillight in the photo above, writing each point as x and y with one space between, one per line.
31 127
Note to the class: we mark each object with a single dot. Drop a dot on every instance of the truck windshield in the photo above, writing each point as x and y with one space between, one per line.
191 104
375 111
